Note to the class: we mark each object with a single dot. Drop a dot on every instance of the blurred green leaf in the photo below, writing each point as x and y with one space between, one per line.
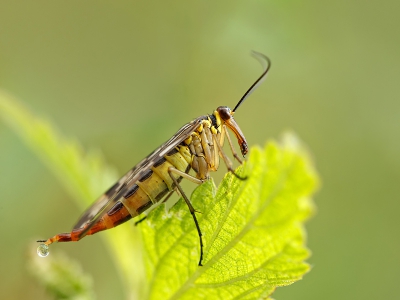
85 176
62 277
253 231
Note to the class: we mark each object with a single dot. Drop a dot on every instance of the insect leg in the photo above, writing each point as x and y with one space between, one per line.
189 204
165 200
185 175
140 220
226 159
231 146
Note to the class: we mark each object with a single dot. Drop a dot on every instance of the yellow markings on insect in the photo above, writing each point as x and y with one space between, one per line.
134 202
185 152
178 161
200 128
216 114
188 140
153 186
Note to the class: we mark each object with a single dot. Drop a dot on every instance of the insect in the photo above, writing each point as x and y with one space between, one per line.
196 146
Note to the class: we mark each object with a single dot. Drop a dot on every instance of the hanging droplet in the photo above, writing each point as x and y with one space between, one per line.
43 250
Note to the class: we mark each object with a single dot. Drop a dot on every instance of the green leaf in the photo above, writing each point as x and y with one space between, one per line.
253 231
62 277
85 175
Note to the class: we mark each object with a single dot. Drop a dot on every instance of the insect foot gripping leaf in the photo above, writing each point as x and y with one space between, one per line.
253 231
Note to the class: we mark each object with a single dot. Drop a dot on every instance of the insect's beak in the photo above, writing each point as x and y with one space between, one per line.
232 125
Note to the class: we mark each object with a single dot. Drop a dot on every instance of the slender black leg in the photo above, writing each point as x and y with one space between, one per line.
192 212
140 220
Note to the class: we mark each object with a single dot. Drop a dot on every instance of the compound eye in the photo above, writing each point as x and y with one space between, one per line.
224 112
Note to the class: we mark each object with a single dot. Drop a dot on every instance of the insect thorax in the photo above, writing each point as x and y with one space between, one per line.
202 148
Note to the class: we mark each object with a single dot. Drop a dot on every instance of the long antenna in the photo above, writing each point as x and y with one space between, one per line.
266 63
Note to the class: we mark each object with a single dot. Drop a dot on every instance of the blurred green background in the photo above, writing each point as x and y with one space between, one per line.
123 76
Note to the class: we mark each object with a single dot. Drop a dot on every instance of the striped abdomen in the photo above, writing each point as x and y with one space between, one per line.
156 182
152 187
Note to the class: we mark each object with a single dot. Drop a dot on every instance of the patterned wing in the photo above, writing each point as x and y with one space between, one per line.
94 213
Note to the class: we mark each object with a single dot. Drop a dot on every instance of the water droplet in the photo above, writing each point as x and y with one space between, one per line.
43 250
